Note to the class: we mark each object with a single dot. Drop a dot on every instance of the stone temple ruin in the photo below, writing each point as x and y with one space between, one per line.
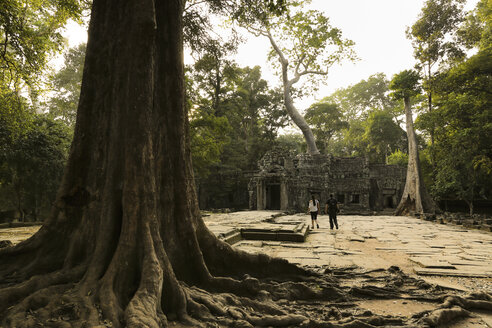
286 181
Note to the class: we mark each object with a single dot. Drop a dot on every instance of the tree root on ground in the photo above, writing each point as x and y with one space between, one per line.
455 307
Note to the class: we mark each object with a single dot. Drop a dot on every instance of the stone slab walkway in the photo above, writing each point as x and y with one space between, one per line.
452 256
418 247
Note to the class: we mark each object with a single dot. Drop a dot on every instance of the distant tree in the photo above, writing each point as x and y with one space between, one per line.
306 46
383 136
357 100
433 42
398 158
32 166
356 103
464 130
352 141
255 113
29 33
210 70
248 111
461 125
292 142
326 120
66 85
208 136
415 197
232 125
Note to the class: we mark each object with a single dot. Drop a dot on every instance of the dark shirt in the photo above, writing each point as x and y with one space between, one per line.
332 206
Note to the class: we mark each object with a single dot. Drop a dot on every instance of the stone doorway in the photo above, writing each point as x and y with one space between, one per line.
388 202
273 197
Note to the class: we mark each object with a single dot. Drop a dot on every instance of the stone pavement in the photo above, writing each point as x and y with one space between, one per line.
372 242
448 255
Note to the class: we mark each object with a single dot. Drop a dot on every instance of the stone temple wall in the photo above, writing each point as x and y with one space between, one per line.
286 181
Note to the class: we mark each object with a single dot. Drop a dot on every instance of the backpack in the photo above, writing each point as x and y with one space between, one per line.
332 205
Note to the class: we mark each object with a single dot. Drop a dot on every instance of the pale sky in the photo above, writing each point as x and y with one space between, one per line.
377 27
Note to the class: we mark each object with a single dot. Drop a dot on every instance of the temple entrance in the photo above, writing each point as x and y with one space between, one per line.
388 202
273 197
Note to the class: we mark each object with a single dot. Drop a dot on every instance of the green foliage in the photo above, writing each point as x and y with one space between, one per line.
370 116
307 42
430 34
208 135
237 114
382 135
398 158
236 122
291 142
464 129
255 113
31 167
352 141
326 120
15 115
200 16
66 84
357 100
405 85
29 34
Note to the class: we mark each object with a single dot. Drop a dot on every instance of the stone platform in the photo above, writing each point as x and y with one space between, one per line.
265 225
417 246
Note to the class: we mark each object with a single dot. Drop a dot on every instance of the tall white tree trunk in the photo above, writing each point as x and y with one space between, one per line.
294 114
415 198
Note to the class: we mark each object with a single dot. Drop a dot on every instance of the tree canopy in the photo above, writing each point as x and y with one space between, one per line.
304 46
29 34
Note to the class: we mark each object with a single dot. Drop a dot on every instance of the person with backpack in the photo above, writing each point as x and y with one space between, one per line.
313 208
332 209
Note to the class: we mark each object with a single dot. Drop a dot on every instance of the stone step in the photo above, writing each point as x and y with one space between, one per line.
452 273
431 262
296 234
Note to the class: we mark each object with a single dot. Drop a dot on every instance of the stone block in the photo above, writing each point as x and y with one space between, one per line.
431 262
233 238
452 273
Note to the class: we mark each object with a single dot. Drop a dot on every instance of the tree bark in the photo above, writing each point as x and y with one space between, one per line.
415 198
125 237
294 114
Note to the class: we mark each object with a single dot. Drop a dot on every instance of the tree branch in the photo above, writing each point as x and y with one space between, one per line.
194 4
299 64
283 60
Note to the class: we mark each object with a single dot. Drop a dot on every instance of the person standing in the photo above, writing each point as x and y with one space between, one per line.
332 209
313 208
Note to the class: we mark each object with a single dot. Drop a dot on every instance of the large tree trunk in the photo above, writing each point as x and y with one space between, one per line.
125 235
294 114
415 198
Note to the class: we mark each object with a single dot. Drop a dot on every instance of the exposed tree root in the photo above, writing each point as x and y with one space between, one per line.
456 307
10 295
443 316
